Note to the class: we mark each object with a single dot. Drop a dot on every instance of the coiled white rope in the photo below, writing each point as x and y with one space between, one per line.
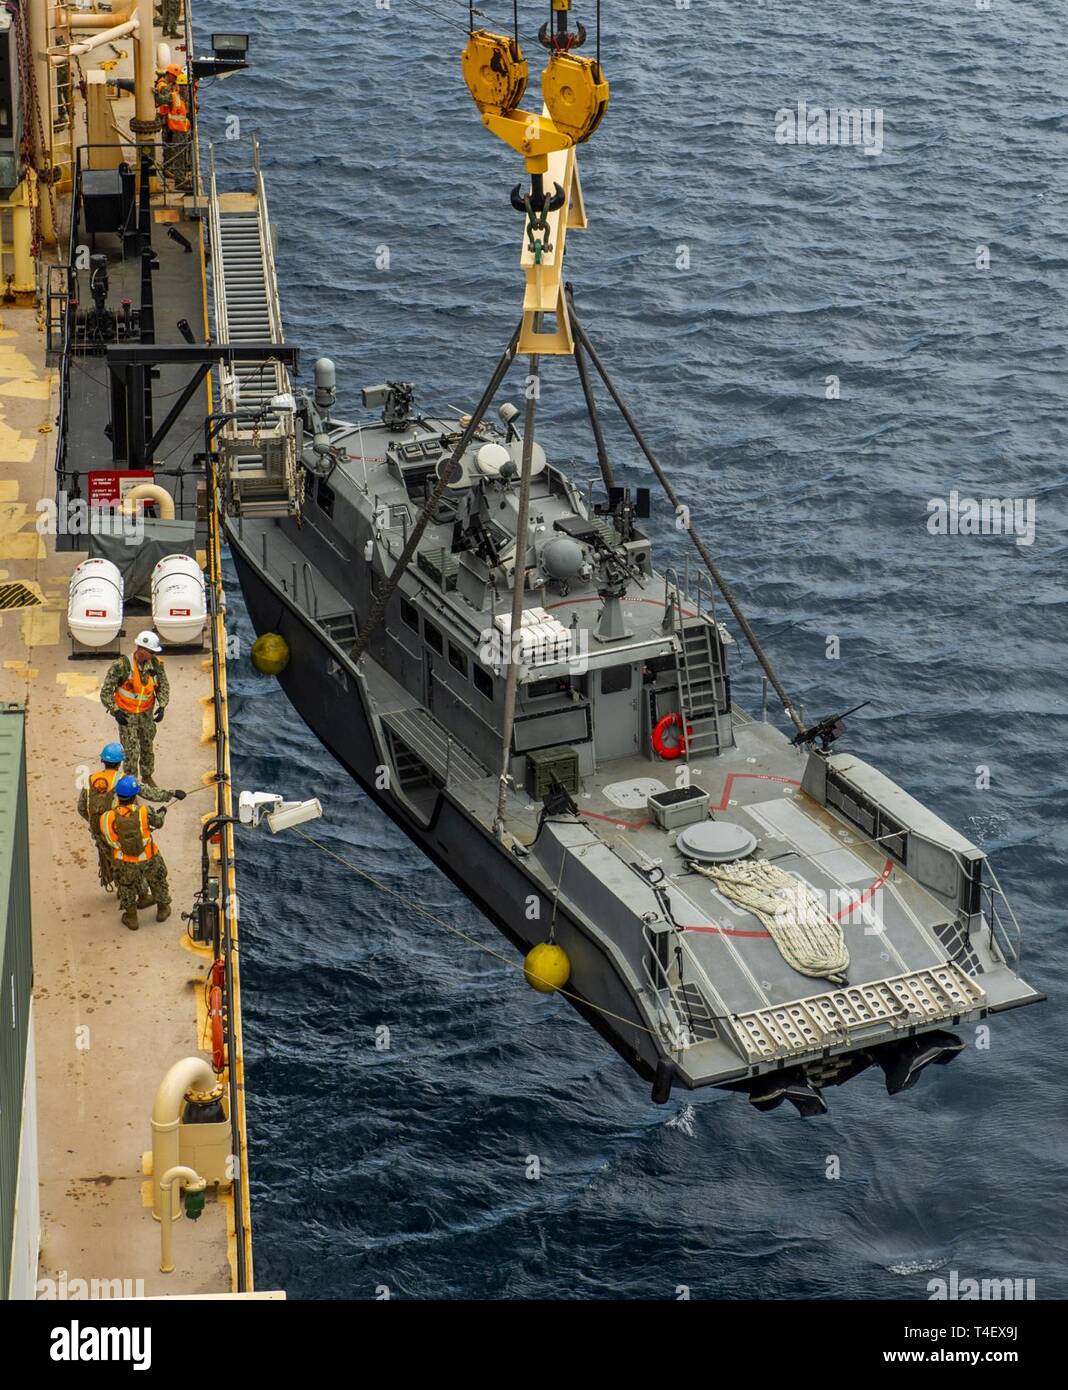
808 938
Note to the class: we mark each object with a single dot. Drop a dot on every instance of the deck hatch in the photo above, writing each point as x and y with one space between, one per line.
16 595
923 997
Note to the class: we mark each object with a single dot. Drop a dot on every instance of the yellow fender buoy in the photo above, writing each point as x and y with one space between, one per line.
270 654
547 967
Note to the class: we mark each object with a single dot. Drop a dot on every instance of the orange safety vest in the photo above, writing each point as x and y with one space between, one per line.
178 114
163 96
127 853
101 791
137 693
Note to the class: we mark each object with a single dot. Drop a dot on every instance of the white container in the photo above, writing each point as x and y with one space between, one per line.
179 601
94 604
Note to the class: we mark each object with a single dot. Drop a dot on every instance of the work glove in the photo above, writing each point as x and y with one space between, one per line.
121 718
178 795
158 716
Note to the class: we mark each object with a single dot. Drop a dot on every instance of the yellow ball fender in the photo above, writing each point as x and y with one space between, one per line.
547 967
270 654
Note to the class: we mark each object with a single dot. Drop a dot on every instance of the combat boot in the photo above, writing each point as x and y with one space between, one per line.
146 900
163 911
129 918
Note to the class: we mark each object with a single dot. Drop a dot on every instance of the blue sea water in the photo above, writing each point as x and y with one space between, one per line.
408 1167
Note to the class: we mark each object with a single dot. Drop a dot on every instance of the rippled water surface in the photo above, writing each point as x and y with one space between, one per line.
406 1167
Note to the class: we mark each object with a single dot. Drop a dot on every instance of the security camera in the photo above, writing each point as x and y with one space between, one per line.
252 805
292 813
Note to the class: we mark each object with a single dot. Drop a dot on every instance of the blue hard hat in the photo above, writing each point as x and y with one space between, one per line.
112 753
127 787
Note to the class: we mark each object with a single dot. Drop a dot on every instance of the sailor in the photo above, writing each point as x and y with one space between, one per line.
136 693
98 796
179 130
169 12
139 869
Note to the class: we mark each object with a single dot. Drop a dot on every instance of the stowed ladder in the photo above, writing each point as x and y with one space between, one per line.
703 701
257 446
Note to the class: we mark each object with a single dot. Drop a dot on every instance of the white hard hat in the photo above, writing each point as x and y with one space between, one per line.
149 641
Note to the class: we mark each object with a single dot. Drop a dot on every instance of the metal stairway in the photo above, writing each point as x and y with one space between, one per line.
258 446
702 692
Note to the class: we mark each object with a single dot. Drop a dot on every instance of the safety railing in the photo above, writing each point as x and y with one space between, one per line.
676 1029
1005 930
693 596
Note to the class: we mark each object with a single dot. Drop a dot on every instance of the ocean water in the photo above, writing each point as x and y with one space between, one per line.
725 277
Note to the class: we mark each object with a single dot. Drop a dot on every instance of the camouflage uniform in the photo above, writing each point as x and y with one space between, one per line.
105 863
169 13
144 883
137 735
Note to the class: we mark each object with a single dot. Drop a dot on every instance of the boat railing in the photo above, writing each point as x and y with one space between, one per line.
693 596
1005 930
677 1031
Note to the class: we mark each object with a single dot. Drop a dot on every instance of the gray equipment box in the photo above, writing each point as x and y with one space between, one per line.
671 810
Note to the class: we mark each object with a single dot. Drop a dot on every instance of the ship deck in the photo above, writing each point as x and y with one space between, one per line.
113 1009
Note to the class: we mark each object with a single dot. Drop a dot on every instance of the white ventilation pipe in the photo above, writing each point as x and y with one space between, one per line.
190 1074
83 46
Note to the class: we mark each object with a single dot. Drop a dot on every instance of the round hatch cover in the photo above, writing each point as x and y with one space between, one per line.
715 842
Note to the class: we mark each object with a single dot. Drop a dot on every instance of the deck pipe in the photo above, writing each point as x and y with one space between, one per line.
173 1181
190 1074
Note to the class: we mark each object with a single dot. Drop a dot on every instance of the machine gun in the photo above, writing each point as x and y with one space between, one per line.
827 730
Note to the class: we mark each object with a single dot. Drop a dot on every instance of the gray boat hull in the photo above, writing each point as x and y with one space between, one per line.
457 844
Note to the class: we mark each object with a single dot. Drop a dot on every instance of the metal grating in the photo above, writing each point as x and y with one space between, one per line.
16 595
826 1020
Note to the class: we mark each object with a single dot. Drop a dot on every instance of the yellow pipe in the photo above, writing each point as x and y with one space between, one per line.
149 492
145 70
190 1074
24 277
78 19
179 1175
77 50
38 19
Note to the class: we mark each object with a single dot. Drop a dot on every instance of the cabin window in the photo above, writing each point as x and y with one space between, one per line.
483 681
555 685
457 660
324 495
409 615
432 637
616 678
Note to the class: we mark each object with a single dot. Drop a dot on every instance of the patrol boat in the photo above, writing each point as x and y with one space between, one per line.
489 649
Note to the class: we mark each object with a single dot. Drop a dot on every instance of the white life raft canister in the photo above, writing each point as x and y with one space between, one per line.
94 605
179 602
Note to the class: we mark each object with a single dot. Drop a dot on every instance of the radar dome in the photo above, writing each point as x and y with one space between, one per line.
562 558
491 458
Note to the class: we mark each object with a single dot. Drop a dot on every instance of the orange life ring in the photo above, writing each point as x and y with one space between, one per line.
674 750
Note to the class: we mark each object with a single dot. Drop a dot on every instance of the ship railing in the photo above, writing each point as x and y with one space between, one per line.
661 943
693 596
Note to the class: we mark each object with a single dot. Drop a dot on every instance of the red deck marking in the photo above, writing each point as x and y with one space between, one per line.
596 598
614 820
869 892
